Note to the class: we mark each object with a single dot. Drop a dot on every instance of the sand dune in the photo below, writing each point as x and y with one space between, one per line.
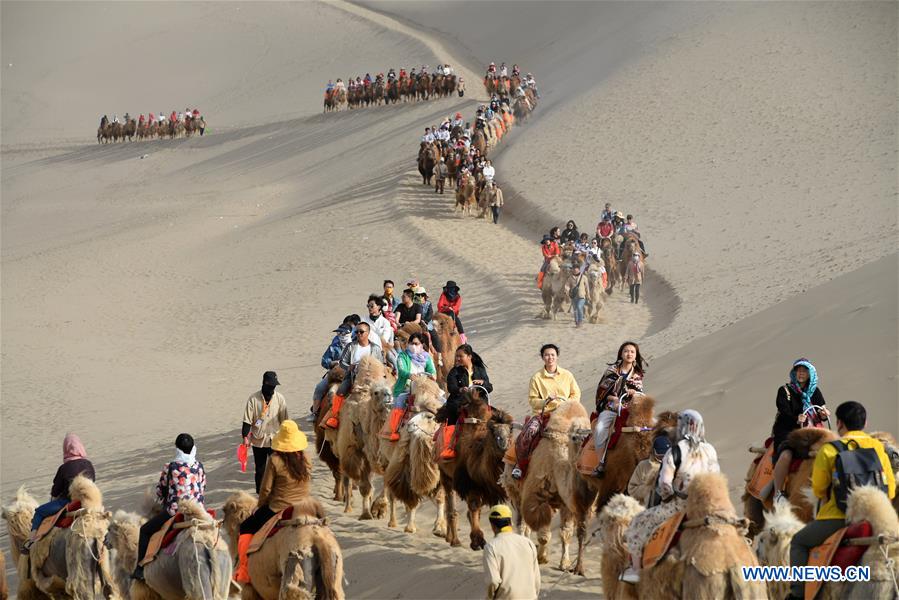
147 286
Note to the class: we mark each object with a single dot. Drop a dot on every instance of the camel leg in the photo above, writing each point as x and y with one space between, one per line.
474 519
391 511
543 538
410 520
439 499
380 505
365 489
348 493
581 543
565 533
452 524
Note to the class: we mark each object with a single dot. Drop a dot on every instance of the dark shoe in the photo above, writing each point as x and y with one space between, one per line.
138 573
26 547
600 471
516 473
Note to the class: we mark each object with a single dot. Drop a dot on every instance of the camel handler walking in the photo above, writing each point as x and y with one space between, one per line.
549 387
265 411
440 173
510 560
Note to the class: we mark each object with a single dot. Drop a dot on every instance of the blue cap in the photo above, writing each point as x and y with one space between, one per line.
661 445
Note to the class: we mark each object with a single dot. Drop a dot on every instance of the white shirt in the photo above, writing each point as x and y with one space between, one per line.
380 326
703 460
428 138
489 172
360 352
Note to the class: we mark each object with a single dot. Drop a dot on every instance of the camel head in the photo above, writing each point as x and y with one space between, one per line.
499 425
123 533
615 517
238 507
773 542
18 515
707 495
381 397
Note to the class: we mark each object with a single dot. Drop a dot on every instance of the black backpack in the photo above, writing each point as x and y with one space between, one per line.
854 468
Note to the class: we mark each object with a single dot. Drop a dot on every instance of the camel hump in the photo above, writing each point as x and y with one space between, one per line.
86 492
708 495
867 503
567 415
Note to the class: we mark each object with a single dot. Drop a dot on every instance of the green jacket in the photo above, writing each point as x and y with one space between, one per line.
404 369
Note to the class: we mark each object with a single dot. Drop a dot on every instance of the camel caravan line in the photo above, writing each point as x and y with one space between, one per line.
151 127
363 92
86 552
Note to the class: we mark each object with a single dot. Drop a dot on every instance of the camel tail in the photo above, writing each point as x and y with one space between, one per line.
330 559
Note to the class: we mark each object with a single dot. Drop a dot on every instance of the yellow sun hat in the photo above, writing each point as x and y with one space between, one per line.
500 511
289 438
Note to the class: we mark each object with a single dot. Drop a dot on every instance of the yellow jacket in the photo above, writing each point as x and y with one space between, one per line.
822 472
543 384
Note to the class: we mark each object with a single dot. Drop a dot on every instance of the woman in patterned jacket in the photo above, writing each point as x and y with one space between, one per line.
183 478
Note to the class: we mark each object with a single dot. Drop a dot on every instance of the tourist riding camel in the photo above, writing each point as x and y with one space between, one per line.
381 329
550 249
621 382
548 387
414 360
856 459
798 403
330 359
286 482
74 463
469 370
182 479
642 484
688 457
450 303
349 360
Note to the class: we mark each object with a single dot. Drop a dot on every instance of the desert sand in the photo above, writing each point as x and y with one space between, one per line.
147 286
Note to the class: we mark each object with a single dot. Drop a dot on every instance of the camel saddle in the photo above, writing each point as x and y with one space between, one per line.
528 439
277 523
443 437
588 458
664 537
764 473
62 519
408 413
163 539
844 548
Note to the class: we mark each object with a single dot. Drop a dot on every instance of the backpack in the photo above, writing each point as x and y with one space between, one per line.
854 468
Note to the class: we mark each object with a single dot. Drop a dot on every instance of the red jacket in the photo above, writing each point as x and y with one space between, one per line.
444 305
605 229
551 250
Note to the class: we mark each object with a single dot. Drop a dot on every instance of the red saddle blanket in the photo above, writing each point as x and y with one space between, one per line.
166 535
57 519
847 556
171 533
273 526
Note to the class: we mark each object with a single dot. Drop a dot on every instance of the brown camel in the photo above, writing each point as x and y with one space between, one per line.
555 288
484 434
323 446
18 517
198 568
805 442
412 473
349 440
465 195
631 247
72 562
552 483
378 450
479 142
632 447
301 560
864 504
445 329
614 519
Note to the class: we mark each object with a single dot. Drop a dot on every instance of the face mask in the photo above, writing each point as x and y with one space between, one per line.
268 391
346 338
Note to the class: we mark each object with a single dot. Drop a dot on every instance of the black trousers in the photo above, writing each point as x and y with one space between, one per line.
260 457
496 211
635 293
255 521
146 532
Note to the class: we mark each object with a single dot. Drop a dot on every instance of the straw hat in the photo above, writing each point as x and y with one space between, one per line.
289 438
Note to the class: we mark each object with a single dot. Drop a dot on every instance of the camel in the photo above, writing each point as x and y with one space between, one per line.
555 288
631 247
301 560
484 434
864 504
892 450
323 447
71 562
428 156
378 451
807 440
198 568
465 195
632 447
479 142
412 473
4 586
611 264
552 483
614 519
705 564
445 329
124 531
349 440
596 295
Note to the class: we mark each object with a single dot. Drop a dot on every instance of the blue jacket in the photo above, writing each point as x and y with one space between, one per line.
332 354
